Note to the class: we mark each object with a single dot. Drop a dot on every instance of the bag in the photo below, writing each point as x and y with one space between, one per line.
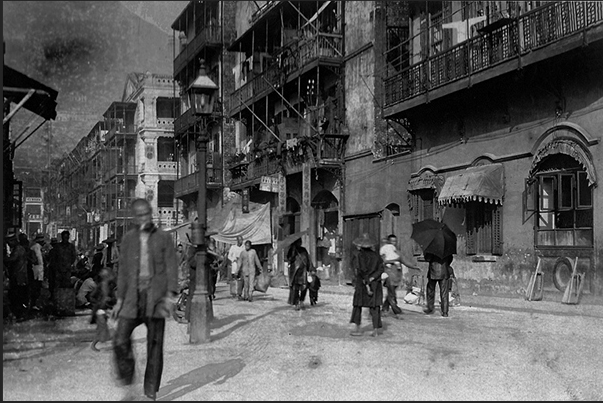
236 286
262 282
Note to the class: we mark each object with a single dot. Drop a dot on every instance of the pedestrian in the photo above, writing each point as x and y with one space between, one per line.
300 265
393 261
16 263
439 272
233 259
63 257
214 260
368 292
248 263
102 299
147 286
97 259
38 272
31 259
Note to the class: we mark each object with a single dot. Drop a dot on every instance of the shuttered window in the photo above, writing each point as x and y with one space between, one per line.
484 228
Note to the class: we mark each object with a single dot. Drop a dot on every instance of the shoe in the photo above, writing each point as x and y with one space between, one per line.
374 333
428 311
445 314
240 298
250 299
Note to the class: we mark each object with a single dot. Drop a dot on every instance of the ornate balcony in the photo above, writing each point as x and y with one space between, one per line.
511 41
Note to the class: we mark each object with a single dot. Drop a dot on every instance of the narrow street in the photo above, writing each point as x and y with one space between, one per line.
488 349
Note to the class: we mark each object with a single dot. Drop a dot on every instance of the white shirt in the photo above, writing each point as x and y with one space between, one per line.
389 251
233 256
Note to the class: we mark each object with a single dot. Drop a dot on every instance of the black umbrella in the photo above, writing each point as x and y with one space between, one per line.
434 237
284 243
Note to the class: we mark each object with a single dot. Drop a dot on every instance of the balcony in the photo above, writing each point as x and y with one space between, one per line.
167 167
323 47
189 184
129 169
189 117
207 37
165 123
506 46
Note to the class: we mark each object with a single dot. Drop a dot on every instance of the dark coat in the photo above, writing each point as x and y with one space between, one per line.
17 266
366 264
163 268
439 269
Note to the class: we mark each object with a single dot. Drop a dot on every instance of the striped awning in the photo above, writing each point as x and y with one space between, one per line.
484 183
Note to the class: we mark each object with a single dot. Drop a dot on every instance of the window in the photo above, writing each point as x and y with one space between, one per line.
484 228
165 194
562 204
165 149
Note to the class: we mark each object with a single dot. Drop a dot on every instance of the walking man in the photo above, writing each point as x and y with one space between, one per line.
18 278
146 294
233 258
393 261
248 261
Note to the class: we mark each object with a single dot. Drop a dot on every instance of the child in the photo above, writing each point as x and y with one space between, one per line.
103 298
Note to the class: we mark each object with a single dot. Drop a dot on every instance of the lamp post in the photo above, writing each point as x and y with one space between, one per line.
201 99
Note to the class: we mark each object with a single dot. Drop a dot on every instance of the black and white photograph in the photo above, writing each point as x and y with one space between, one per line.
302 200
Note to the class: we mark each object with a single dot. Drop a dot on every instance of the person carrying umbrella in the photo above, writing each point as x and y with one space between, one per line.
368 290
438 243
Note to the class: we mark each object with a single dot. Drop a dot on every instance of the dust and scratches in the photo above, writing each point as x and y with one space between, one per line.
314 362
321 329
197 378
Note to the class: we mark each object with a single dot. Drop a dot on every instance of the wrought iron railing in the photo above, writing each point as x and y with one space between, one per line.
529 32
295 57
209 35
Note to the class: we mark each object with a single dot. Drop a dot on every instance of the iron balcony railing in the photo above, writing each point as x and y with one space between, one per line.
208 36
295 57
527 33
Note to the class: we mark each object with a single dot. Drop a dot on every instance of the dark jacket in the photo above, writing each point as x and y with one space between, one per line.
163 268
17 266
367 264
439 269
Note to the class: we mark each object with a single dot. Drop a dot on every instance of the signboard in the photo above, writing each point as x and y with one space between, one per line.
275 183
266 184
17 204
245 200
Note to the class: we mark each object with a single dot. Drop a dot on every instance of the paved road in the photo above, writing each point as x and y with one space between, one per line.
494 349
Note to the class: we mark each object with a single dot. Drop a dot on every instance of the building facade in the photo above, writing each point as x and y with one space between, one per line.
501 104
129 154
288 109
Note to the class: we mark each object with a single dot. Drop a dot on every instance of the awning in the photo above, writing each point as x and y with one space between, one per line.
43 102
484 183
568 147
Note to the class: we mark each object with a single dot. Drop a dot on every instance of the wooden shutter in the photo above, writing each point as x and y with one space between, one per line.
530 205
471 230
497 238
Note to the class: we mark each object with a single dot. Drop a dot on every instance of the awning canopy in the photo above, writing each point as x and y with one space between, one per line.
44 100
484 183
567 147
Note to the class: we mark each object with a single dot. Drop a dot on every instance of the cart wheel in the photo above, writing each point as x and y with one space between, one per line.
562 273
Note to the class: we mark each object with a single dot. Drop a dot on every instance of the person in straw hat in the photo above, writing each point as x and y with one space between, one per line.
368 290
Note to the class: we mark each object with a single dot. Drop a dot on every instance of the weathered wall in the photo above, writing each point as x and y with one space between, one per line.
504 120
359 77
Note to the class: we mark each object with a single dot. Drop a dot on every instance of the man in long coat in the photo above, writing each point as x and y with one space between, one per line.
439 272
147 286
368 290
299 266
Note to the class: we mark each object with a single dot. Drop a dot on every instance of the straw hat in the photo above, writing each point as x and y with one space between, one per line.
364 241
100 246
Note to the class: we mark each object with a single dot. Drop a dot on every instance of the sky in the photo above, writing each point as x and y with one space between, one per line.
84 50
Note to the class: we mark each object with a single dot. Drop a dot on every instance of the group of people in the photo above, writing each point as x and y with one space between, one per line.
373 271
244 266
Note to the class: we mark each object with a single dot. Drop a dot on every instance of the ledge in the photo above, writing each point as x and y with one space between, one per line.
482 258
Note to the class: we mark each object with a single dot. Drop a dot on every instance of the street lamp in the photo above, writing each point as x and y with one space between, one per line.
201 98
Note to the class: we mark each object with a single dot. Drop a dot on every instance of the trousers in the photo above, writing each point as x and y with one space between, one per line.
375 315
248 281
124 354
391 299
430 293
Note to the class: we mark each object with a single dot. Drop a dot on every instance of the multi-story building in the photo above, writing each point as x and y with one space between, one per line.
127 155
497 107
203 71
288 110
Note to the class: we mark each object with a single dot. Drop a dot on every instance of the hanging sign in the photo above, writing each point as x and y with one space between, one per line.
266 184
245 200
